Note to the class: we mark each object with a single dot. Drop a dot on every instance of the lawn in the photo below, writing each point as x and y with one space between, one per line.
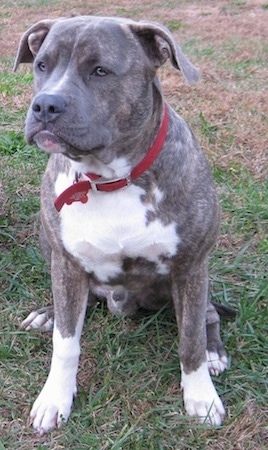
129 384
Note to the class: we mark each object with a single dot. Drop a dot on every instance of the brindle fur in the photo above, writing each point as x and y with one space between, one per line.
122 119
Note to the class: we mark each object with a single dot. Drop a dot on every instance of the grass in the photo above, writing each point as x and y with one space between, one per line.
128 382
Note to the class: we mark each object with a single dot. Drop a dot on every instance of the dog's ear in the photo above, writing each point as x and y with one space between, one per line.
160 45
31 42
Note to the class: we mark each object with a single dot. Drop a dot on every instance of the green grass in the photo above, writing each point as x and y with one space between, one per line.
28 3
10 86
174 25
128 383
129 398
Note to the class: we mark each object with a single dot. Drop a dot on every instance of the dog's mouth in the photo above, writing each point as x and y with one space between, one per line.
49 142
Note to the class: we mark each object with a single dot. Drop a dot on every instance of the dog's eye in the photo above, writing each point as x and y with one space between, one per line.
99 72
41 66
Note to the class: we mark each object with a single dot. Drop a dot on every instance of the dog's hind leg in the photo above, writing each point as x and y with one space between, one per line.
41 318
216 354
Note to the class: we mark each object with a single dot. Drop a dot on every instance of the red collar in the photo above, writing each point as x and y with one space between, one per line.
79 190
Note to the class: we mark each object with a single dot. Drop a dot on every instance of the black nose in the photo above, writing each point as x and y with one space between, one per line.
47 108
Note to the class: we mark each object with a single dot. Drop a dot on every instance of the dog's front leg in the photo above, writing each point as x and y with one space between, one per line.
190 300
70 292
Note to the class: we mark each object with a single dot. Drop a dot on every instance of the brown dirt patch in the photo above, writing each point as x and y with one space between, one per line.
238 110
205 19
247 431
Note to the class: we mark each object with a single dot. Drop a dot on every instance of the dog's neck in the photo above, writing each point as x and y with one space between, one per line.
106 182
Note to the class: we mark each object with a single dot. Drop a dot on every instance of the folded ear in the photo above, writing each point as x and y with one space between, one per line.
31 42
160 45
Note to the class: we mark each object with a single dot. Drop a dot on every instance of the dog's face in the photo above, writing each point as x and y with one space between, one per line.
106 78
115 62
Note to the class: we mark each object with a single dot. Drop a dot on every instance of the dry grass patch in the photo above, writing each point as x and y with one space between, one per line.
232 93
129 395
246 431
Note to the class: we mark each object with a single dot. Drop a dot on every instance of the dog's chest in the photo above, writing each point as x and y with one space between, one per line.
113 226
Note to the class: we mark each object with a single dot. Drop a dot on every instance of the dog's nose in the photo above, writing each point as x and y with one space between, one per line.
47 108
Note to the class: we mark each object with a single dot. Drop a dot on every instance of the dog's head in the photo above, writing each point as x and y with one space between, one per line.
95 82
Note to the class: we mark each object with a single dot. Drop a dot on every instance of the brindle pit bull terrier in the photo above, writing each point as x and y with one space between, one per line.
129 209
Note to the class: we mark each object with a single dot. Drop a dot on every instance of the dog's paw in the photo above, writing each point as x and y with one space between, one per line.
216 363
52 407
200 396
42 318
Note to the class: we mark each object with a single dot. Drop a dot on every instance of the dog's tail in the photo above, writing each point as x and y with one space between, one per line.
224 310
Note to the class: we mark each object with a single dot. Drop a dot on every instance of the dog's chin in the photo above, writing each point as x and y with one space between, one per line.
82 156
49 142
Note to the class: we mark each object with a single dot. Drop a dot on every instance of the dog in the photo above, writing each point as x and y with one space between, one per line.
129 210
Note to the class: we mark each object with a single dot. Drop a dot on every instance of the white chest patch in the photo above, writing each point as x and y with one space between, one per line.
112 226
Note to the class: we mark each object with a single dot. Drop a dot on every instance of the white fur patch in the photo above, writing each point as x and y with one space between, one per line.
112 226
53 405
158 195
200 396
116 169
35 320
216 364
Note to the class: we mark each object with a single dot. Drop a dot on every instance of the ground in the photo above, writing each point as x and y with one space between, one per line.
128 393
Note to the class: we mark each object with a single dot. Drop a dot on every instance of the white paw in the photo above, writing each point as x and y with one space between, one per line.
200 396
38 319
216 364
52 407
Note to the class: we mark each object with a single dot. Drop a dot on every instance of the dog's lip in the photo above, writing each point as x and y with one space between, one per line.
49 142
